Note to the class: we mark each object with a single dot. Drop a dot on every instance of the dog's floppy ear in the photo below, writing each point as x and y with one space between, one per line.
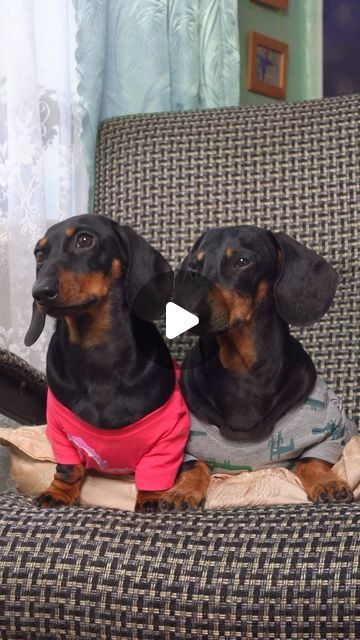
148 276
37 324
306 284
198 242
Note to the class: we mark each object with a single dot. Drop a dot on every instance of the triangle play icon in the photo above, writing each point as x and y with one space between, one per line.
178 320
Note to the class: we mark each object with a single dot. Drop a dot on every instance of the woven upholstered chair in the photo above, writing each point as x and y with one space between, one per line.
274 572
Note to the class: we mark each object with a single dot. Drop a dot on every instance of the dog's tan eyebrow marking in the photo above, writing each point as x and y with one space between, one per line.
116 268
200 255
230 251
42 242
261 291
70 231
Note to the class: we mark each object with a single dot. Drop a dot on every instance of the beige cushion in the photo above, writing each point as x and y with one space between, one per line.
32 468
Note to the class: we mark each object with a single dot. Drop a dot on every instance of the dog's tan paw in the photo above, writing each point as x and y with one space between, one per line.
190 490
147 501
178 500
49 499
333 491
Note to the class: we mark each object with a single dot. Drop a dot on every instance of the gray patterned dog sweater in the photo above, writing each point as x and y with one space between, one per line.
318 428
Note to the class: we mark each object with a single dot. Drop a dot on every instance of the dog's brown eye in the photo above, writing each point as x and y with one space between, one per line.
39 257
242 262
84 241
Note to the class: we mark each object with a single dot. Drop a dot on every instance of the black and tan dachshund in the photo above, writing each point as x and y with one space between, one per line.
106 364
246 285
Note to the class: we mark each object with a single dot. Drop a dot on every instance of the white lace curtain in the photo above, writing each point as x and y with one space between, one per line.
41 174
65 65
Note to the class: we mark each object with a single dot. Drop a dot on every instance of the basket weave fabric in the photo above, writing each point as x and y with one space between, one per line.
22 371
291 167
289 572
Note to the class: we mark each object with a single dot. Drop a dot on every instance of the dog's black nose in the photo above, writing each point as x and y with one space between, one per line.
45 292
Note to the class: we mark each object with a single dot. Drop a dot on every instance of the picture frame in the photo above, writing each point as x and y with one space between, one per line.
277 4
267 66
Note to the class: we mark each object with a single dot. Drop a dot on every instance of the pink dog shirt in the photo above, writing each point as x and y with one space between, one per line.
152 448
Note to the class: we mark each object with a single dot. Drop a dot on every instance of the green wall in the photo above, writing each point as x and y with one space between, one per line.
301 27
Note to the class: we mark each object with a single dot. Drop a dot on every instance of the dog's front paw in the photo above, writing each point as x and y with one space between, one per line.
53 498
321 483
178 500
189 491
333 491
147 501
65 488
172 500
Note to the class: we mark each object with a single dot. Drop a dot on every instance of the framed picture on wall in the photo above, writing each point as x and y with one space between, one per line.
278 4
267 66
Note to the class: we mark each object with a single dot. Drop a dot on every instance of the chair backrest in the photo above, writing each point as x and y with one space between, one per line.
293 167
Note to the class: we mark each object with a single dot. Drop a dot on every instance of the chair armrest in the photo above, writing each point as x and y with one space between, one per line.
287 571
22 390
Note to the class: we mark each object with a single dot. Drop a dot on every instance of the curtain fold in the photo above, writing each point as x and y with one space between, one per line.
154 55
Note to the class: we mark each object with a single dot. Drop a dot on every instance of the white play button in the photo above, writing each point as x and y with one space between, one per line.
178 320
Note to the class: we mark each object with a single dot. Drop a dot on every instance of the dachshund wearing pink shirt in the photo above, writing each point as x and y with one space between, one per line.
114 404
